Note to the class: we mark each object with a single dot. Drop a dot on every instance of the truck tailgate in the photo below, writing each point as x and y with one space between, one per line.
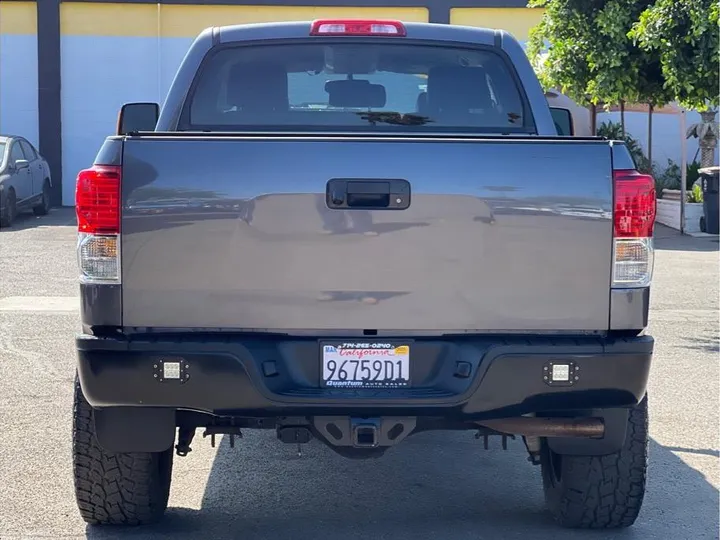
511 235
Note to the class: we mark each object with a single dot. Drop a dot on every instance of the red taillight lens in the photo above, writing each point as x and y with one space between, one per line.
635 204
355 27
97 200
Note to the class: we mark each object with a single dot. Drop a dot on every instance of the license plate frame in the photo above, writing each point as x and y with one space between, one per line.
357 358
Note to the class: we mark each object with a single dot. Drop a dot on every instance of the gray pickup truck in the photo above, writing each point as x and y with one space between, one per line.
356 231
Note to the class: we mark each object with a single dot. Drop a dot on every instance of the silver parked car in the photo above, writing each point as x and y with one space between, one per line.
24 179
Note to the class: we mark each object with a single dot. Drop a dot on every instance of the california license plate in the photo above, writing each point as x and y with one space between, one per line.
357 364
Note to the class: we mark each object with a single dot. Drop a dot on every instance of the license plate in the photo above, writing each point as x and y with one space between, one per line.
366 365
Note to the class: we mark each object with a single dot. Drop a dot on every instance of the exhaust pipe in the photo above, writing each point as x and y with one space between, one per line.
547 427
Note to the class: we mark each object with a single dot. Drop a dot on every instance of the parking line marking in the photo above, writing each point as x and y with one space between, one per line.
40 303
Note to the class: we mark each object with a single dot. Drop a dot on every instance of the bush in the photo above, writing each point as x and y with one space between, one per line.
670 177
695 195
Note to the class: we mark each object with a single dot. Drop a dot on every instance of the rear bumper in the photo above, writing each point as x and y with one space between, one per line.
463 378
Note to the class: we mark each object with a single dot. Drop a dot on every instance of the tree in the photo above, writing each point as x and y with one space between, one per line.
616 61
592 59
625 71
565 25
684 36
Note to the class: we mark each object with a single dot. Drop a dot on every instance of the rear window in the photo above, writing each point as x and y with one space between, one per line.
356 86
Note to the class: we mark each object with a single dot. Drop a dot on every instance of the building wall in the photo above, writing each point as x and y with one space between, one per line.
517 21
19 70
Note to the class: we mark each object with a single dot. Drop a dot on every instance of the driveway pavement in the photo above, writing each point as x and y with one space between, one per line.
432 486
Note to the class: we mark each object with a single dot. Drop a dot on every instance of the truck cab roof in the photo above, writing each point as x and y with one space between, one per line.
419 31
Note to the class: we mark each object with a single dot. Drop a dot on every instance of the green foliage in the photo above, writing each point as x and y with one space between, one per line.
566 25
591 58
613 131
684 35
648 51
693 173
695 195
670 178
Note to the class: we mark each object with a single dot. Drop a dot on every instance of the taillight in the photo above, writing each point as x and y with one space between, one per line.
97 206
97 200
635 204
357 27
634 208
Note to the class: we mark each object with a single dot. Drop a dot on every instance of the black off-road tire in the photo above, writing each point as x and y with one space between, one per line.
600 492
116 489
43 208
9 210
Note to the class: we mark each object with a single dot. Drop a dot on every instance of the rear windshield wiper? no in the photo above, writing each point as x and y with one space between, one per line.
394 118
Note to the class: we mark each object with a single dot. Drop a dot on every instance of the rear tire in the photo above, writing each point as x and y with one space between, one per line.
43 208
600 492
9 209
112 488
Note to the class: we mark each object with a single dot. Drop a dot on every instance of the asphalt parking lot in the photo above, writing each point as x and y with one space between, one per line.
431 486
